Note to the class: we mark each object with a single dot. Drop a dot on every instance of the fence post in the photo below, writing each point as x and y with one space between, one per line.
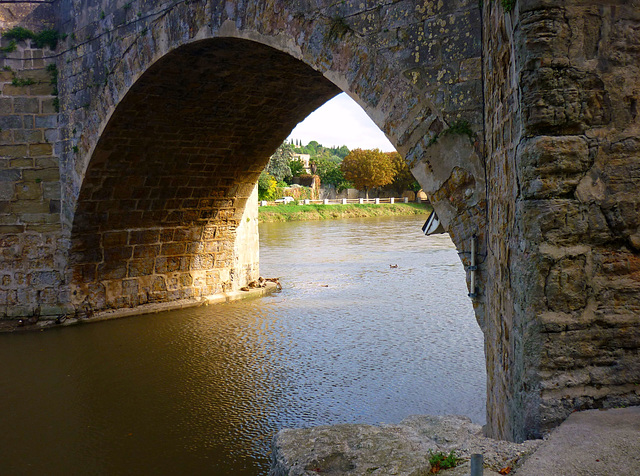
325 201
307 201
361 201
344 201
406 199
392 200
263 203
377 201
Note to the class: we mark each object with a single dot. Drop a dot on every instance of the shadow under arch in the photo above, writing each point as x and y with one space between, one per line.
166 186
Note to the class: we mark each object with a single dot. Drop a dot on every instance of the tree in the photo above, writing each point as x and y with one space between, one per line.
297 167
278 165
403 179
368 168
267 187
328 169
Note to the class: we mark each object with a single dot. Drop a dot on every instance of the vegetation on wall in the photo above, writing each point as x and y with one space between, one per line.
457 128
44 38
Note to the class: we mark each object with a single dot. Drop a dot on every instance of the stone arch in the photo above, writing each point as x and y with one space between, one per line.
337 54
164 195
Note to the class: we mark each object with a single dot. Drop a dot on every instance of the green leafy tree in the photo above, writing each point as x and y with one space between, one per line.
328 169
278 165
267 187
403 179
341 152
368 169
297 167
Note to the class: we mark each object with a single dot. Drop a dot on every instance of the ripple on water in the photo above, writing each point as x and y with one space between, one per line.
202 391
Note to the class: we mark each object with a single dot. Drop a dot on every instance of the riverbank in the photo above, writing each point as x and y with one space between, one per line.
290 212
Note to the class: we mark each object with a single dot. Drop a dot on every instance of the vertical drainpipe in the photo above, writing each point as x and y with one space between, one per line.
472 269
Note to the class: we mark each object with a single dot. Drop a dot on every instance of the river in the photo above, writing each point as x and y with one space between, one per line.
373 324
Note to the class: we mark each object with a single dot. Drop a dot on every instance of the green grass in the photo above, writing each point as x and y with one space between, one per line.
293 212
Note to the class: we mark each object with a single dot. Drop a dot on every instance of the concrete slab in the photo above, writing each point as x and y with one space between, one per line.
590 443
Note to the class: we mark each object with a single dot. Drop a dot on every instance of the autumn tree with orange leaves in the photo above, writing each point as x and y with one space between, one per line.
368 168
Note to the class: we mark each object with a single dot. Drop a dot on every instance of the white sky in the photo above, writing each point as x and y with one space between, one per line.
341 121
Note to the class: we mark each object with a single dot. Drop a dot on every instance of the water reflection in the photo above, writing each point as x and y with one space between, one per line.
202 391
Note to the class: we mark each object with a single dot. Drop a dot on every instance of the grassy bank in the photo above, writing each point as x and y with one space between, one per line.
292 212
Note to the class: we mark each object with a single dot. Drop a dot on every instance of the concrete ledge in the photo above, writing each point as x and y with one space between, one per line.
12 325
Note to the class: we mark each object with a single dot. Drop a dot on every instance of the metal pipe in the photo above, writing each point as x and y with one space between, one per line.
472 269
476 465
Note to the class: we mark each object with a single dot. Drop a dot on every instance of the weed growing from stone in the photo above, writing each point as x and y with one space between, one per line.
440 460
52 69
22 81
458 127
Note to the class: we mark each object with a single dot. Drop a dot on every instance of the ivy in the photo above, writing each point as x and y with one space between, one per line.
44 38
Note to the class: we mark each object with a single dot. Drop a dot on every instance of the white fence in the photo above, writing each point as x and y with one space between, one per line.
344 201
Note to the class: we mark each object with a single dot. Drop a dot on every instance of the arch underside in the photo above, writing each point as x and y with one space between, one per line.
166 187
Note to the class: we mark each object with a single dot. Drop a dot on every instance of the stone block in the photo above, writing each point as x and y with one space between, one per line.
13 150
10 175
41 175
41 89
28 136
563 100
51 190
566 285
120 253
29 206
22 162
551 166
167 264
130 287
471 69
46 121
144 237
146 251
112 270
464 96
22 105
39 150
6 106
28 191
141 267
43 278
10 90
115 239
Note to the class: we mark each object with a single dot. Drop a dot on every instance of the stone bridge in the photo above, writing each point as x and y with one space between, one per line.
130 150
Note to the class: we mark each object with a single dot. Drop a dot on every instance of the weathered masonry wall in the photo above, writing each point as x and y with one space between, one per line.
31 242
521 125
563 149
